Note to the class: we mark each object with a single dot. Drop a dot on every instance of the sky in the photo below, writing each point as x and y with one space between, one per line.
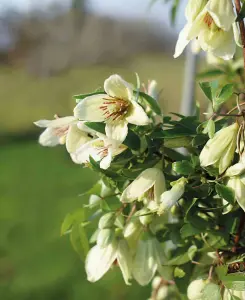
114 8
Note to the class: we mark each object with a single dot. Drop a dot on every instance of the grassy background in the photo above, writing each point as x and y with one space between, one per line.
39 186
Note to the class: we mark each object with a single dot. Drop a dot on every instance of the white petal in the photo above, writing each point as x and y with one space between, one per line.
48 138
140 185
56 123
193 8
197 26
117 130
159 187
89 109
222 13
137 115
237 34
116 87
144 266
81 155
99 261
183 40
125 261
106 161
75 138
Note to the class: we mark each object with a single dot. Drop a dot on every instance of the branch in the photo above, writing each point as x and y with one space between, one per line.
242 28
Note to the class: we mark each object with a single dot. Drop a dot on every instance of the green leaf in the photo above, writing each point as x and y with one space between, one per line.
225 193
209 89
132 140
224 95
183 167
80 97
179 273
79 240
71 218
210 128
210 73
188 230
211 292
183 256
151 101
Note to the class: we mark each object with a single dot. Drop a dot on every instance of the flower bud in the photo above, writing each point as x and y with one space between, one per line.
94 200
219 151
162 293
107 221
156 282
132 228
228 294
105 190
105 237
237 184
169 198
195 289
145 216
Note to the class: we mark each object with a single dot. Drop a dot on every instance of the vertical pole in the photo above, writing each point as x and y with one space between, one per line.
188 99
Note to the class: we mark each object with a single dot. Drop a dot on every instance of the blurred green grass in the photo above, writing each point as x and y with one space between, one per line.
39 186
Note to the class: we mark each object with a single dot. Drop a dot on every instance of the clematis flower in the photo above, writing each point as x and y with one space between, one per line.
65 130
149 258
169 198
116 108
100 259
213 23
195 289
237 184
148 186
101 149
219 151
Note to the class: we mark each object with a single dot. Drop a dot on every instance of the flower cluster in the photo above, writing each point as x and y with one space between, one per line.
212 23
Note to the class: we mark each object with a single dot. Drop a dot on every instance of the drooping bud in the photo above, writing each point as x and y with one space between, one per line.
145 216
107 220
105 237
219 151
195 289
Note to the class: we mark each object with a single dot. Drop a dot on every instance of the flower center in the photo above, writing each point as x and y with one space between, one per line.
114 108
208 20
101 149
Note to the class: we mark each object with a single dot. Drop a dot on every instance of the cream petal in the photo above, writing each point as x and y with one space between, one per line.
116 87
183 40
222 13
56 123
144 265
193 8
89 109
82 154
137 115
48 138
197 26
106 161
140 185
125 261
159 187
99 261
117 130
225 45
75 138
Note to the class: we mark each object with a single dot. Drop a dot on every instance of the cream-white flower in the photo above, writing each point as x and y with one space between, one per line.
100 259
213 23
219 151
148 186
195 289
149 258
65 130
116 108
101 149
169 198
237 184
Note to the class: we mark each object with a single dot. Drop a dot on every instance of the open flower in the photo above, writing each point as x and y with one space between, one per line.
101 149
100 259
148 186
116 108
219 151
149 258
65 130
213 23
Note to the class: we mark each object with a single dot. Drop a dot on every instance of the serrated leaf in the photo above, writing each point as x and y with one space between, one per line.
183 167
225 192
80 97
151 101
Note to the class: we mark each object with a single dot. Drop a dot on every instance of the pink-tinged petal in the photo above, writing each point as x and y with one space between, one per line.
48 138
